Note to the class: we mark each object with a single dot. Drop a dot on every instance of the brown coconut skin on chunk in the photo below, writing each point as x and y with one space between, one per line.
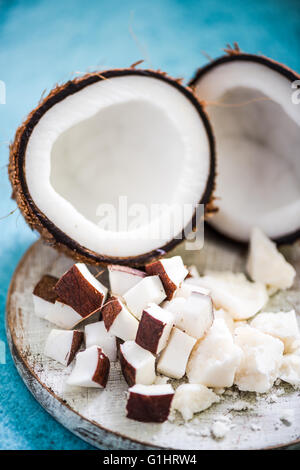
149 409
102 370
76 343
74 290
45 288
233 54
110 311
128 371
149 332
37 220
157 268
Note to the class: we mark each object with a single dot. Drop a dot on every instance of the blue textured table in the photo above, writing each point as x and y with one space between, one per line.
46 42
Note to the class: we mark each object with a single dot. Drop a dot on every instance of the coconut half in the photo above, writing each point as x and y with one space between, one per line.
257 130
133 133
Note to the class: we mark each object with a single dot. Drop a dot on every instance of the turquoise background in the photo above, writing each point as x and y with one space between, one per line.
43 42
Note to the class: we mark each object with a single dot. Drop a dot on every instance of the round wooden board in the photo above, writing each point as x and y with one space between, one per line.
98 416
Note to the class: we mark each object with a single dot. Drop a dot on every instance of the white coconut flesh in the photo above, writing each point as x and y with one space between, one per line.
132 136
257 132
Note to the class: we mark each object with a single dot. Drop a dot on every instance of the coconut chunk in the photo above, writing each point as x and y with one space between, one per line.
44 296
118 320
97 335
138 365
149 403
187 287
79 289
174 358
154 328
91 369
63 315
171 272
193 398
230 323
62 345
193 315
266 264
261 360
149 290
215 359
193 271
290 370
234 293
123 278
281 325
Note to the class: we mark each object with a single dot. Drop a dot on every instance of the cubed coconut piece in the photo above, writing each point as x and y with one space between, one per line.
174 358
281 325
193 315
221 313
171 272
97 335
44 296
193 398
261 359
118 320
91 369
79 289
290 370
138 365
215 359
149 290
64 316
123 278
62 345
234 293
149 403
186 288
266 264
154 328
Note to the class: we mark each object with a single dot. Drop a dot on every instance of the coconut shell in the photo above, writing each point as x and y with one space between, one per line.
37 220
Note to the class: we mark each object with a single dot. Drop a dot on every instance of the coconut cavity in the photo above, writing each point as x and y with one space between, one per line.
137 135
256 126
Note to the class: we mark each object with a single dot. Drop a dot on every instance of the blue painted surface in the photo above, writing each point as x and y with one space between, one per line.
44 42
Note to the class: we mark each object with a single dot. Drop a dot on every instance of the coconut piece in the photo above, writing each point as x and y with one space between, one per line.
230 323
193 398
63 133
266 264
187 287
91 369
193 315
253 93
154 328
290 370
192 272
261 360
281 325
171 272
241 298
64 316
97 335
174 358
215 359
138 365
62 345
44 296
149 290
118 320
123 278
79 289
149 403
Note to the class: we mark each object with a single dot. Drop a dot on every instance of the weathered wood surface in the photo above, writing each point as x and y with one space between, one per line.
99 416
